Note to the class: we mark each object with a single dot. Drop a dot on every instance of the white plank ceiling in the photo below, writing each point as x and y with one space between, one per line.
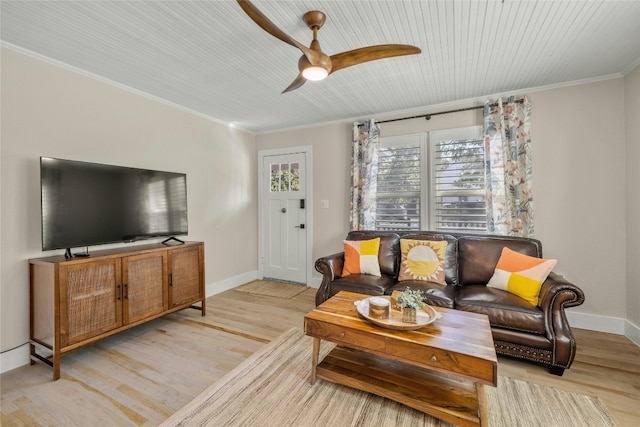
209 57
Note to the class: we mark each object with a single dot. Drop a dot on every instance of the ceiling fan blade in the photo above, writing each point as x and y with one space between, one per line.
370 53
271 28
299 81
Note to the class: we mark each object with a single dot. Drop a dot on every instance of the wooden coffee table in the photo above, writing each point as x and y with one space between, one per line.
440 369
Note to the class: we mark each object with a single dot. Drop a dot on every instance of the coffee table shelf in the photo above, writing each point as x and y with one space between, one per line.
447 398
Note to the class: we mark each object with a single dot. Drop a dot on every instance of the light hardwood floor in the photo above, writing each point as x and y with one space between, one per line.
141 376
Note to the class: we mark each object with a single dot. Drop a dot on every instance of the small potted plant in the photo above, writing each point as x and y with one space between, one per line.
410 301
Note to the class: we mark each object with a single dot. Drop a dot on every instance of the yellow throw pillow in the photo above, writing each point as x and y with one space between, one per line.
521 274
361 257
422 260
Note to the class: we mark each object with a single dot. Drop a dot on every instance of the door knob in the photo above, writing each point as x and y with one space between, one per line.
283 210
299 226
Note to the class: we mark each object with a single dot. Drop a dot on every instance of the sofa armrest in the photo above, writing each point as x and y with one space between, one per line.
330 267
557 294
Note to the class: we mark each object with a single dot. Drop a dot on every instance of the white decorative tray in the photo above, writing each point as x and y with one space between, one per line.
424 316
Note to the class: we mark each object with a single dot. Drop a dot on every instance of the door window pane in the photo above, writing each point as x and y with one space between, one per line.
275 177
285 176
295 177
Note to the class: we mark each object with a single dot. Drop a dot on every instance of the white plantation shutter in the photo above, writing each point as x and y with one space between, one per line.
459 187
400 176
458 181
398 197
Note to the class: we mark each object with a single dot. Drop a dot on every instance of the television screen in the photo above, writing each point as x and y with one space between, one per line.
86 204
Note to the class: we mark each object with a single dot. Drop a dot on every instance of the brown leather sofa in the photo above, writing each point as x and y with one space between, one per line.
540 334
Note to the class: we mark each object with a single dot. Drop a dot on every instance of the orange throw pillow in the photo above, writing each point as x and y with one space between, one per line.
521 274
361 257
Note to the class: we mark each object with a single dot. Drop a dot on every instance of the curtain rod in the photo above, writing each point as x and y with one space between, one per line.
428 116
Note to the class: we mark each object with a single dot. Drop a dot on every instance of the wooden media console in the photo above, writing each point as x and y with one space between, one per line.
77 301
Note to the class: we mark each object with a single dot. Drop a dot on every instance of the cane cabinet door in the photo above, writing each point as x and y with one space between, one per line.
90 299
185 275
145 283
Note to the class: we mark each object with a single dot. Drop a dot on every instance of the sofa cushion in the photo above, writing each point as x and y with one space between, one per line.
478 255
422 260
504 309
362 284
435 293
361 257
389 251
451 253
521 275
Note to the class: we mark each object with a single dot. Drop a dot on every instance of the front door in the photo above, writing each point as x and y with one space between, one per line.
285 215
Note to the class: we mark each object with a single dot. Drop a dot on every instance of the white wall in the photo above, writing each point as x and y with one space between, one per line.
632 130
579 189
578 149
51 111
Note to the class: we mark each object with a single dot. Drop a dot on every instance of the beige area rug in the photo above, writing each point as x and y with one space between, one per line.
272 388
272 288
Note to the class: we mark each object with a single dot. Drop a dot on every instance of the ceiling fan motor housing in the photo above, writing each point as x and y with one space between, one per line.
322 60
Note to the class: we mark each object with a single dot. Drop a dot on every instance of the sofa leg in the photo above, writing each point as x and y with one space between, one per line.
556 370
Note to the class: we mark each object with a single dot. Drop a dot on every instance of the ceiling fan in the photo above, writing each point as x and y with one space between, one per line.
314 64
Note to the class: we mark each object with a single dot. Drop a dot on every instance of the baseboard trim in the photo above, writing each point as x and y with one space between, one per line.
230 283
632 332
14 358
315 282
595 322
612 325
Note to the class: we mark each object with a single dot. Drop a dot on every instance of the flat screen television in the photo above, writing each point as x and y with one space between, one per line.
86 204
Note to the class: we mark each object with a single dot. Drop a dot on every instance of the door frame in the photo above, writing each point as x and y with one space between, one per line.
307 151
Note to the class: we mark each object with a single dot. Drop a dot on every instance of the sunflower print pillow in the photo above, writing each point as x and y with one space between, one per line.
422 260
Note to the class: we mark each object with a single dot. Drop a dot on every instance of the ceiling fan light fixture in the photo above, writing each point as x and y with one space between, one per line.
314 73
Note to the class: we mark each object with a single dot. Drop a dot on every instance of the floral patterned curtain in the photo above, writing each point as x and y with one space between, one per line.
507 139
364 175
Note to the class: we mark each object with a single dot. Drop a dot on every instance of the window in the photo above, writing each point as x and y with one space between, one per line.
285 177
458 181
398 197
439 185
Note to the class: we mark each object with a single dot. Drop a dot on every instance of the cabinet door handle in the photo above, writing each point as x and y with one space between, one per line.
126 291
170 279
119 292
